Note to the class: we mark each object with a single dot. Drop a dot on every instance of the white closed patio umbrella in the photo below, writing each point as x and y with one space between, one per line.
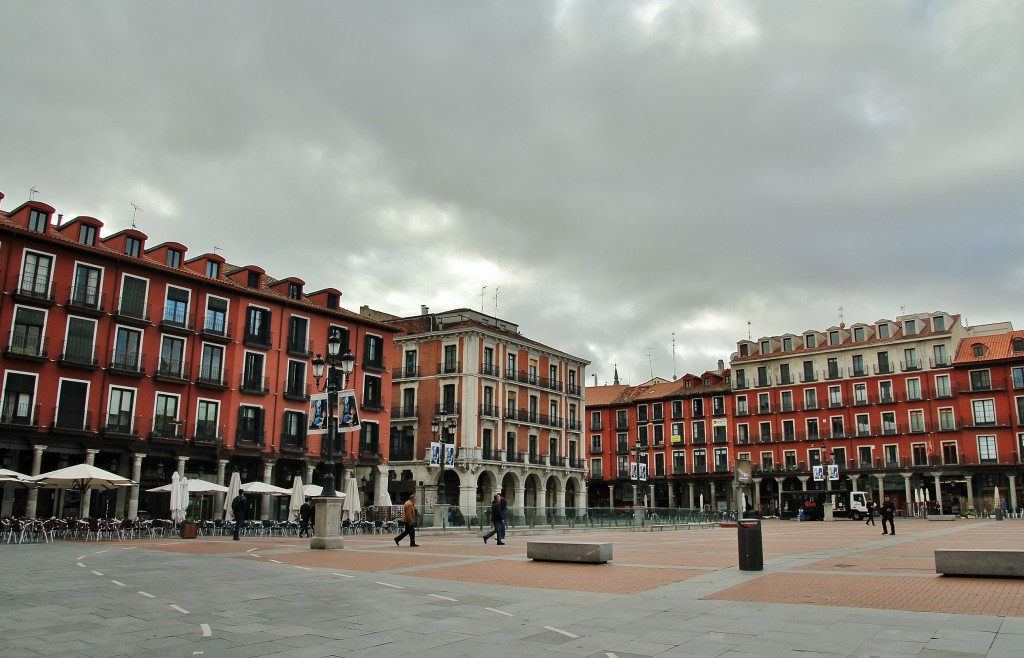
179 497
350 508
296 500
234 487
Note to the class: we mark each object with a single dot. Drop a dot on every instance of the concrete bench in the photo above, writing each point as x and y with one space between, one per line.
564 551
1004 562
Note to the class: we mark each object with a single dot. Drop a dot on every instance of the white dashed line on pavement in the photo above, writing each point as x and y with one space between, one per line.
147 595
97 573
559 630
500 612
206 630
80 564
118 583
251 550
180 609
446 598
103 551
343 575
80 557
389 585
275 561
306 568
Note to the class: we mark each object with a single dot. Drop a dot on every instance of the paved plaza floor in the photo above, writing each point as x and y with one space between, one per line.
827 589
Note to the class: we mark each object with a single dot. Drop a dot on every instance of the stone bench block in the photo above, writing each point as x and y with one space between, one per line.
1007 563
563 551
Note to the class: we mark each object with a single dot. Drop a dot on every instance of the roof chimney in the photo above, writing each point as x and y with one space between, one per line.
721 365
424 310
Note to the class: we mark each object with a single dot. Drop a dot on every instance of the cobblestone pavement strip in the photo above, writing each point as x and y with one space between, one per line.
829 589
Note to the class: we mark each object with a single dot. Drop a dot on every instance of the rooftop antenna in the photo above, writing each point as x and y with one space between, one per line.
748 331
673 356
497 289
482 290
216 249
135 212
842 320
650 361
32 192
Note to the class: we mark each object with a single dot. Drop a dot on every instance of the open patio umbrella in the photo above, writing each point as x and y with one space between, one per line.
257 487
296 500
384 500
312 490
195 486
14 480
350 508
80 476
234 487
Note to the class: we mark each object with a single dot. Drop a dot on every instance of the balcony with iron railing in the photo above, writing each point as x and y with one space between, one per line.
127 362
216 328
172 370
208 433
833 372
808 376
371 404
87 300
764 409
71 421
23 413
167 430
596 448
837 402
35 290
490 370
741 412
574 425
246 437
741 384
574 389
299 346
785 379
405 372
884 369
378 364
121 425
809 405
263 339
859 370
912 365
370 450
27 343
941 362
449 368
132 310
212 377
490 411
254 384
446 409
295 443
404 411
176 320
994 420
298 391
763 381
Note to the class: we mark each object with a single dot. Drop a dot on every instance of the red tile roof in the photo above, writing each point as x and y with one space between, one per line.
996 347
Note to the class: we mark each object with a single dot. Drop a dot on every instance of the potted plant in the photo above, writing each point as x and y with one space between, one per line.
189 529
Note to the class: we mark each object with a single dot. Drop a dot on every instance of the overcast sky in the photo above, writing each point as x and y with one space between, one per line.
623 171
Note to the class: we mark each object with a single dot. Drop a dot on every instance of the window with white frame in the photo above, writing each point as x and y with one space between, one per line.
120 410
987 452
984 412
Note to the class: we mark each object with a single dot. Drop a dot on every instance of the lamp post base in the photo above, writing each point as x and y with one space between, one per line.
327 528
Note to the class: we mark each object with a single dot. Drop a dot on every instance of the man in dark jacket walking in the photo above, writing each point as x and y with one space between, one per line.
238 507
305 515
871 512
888 514
495 520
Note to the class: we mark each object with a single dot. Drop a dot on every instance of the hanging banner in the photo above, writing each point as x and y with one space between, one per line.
676 439
449 454
348 411
643 471
435 454
632 470
317 414
833 472
819 473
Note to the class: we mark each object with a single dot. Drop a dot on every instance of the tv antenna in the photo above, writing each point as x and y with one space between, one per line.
650 360
673 356
32 192
216 249
842 319
482 290
135 212
497 289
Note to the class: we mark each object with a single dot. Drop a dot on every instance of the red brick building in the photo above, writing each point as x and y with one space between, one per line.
145 360
676 433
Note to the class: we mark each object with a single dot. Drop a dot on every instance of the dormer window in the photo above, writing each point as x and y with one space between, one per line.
1018 344
766 347
743 350
809 341
787 344
911 327
332 300
939 323
37 221
212 269
979 350
833 338
132 246
294 291
858 334
254 280
173 258
87 235
883 331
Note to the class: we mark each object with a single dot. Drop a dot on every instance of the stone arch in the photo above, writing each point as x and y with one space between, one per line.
486 486
532 488
510 484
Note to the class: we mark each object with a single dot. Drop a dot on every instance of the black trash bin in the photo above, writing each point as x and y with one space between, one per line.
751 550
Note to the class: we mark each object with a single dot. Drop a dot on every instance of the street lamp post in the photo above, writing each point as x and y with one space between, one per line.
327 527
440 425
637 451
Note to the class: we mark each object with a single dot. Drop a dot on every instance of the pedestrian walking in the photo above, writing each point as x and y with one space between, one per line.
238 507
888 514
305 516
871 512
495 520
409 518
504 518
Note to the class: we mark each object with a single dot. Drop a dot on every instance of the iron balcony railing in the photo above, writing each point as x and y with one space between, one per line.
405 372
